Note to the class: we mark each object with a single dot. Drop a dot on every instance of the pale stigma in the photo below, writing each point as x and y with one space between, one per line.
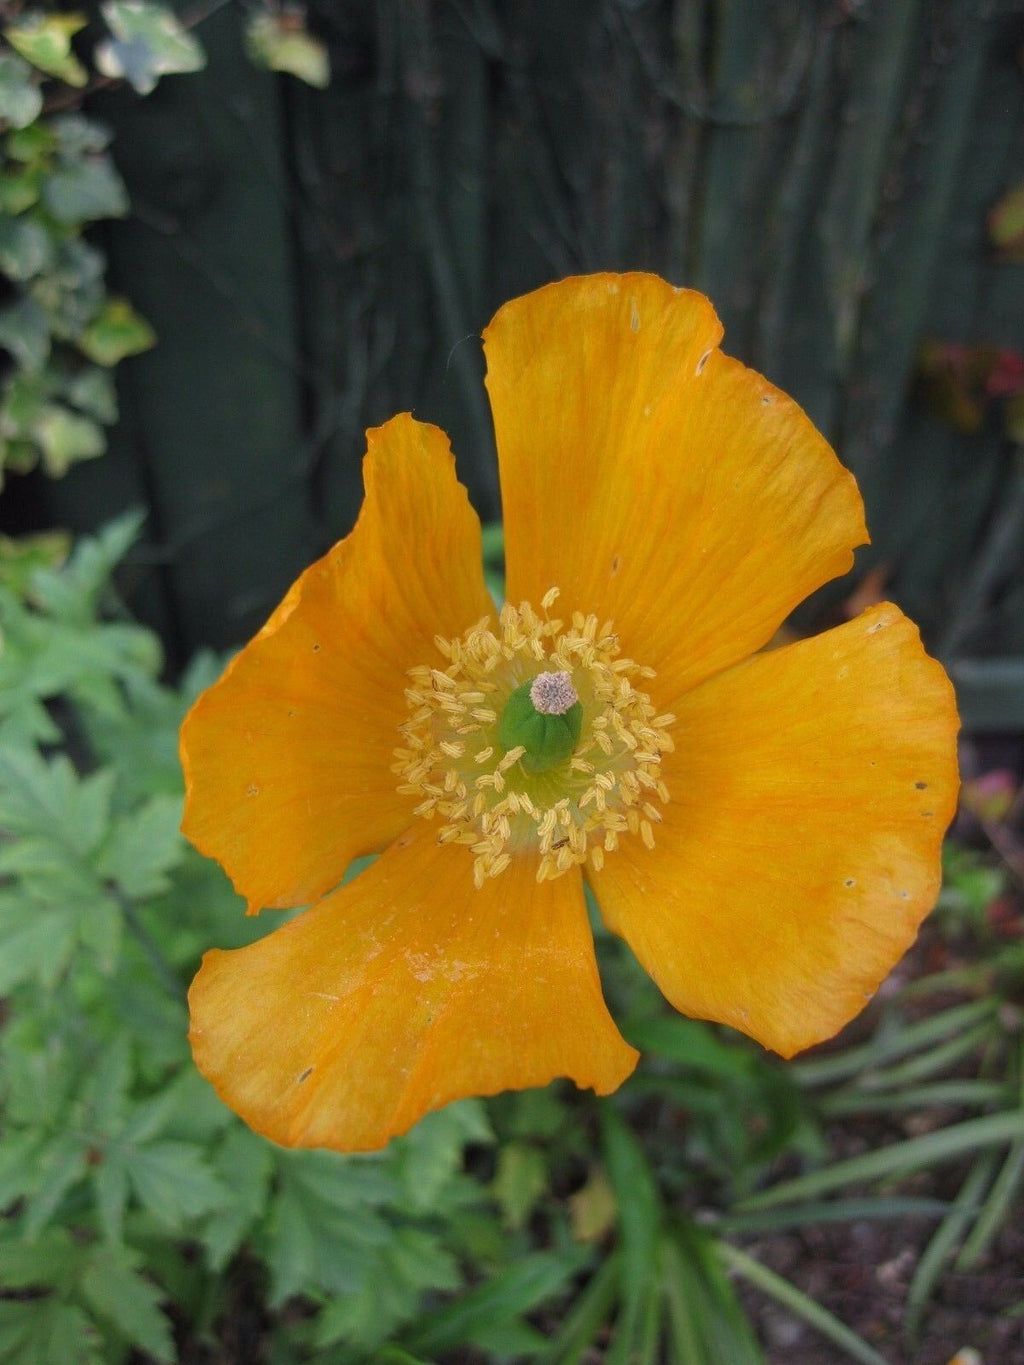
553 693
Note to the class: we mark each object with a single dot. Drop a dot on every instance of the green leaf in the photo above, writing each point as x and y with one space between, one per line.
411 1262
110 1187
21 100
34 944
25 332
19 1155
49 1262
92 391
65 438
19 189
45 41
173 1181
25 248
143 847
520 1180
245 1164
534 1279
21 556
46 1332
640 1212
77 136
706 1318
50 800
148 42
117 332
31 144
427 1157
74 593
324 1225
83 191
106 1089
113 1287
280 42
691 1043
62 1164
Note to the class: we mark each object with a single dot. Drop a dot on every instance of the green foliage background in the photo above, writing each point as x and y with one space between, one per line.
142 1215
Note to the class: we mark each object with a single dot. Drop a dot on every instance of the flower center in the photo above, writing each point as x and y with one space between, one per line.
534 741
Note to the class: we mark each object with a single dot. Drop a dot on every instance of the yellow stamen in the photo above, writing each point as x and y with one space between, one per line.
571 813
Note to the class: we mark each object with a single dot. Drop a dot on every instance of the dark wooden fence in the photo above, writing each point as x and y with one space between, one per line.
314 261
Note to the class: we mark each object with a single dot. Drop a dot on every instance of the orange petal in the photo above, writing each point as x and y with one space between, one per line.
403 991
801 849
288 757
653 479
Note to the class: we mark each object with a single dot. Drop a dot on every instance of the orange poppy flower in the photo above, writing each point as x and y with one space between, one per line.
764 829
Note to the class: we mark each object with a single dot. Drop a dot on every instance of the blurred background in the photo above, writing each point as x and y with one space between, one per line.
233 235
842 177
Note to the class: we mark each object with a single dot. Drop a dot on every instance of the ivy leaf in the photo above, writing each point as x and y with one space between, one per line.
66 437
31 144
82 191
19 189
281 42
45 41
26 248
116 332
21 100
25 333
92 392
148 42
112 1286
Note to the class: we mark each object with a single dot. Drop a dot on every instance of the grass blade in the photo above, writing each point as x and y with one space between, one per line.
938 1251
896 1159
824 1211
918 1097
800 1305
892 1042
995 1211
592 1309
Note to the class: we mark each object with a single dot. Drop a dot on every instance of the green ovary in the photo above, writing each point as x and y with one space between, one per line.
548 739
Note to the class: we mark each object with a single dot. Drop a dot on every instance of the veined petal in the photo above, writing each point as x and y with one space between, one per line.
288 758
656 481
810 788
402 991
